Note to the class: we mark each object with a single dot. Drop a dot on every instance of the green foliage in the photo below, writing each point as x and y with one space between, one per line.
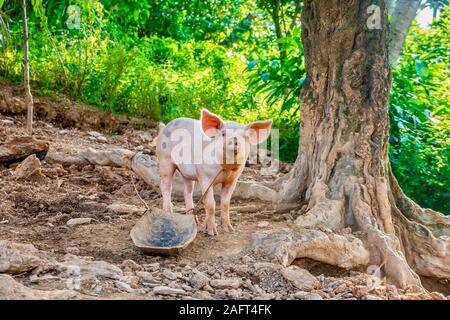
419 111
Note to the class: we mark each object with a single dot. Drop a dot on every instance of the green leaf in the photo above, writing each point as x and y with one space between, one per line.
265 76
421 68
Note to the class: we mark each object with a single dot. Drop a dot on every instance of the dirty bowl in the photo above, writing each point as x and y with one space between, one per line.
158 232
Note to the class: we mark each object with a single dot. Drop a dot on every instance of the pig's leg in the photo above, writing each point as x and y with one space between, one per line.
210 207
225 198
188 193
166 172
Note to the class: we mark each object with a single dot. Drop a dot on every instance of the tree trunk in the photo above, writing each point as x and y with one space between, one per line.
402 17
278 29
342 177
26 70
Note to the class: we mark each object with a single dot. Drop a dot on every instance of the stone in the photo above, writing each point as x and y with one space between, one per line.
74 265
144 136
166 291
18 258
28 168
102 139
122 208
234 293
263 224
145 276
360 291
130 265
152 266
123 286
10 289
300 278
131 279
373 297
231 283
6 122
169 274
18 149
94 134
198 280
203 295
78 221
265 296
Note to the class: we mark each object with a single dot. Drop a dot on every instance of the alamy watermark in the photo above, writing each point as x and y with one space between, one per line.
74 18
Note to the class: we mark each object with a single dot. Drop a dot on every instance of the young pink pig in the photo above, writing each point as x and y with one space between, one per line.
205 151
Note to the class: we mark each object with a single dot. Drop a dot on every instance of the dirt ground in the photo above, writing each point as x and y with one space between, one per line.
36 212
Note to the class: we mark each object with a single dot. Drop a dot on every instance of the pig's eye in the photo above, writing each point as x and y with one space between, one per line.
223 134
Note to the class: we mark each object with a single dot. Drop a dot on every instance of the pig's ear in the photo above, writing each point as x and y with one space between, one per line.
259 131
211 124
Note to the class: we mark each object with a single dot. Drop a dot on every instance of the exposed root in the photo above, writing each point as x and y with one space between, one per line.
146 167
286 245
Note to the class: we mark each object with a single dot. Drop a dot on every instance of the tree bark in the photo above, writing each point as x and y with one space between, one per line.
402 17
342 176
26 69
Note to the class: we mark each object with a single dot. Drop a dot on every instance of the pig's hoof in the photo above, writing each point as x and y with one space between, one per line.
228 228
211 230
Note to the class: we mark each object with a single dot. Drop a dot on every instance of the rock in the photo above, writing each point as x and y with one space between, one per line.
234 293
78 221
131 279
10 289
122 208
360 291
102 139
372 297
263 224
198 280
203 295
94 134
130 265
307 296
265 296
231 283
145 276
164 290
252 190
144 136
6 122
18 258
300 278
169 274
18 149
74 265
152 266
123 286
266 266
28 168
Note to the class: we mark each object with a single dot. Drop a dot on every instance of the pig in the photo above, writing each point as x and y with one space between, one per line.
210 151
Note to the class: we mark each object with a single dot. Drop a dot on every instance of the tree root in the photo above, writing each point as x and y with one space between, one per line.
286 245
146 167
